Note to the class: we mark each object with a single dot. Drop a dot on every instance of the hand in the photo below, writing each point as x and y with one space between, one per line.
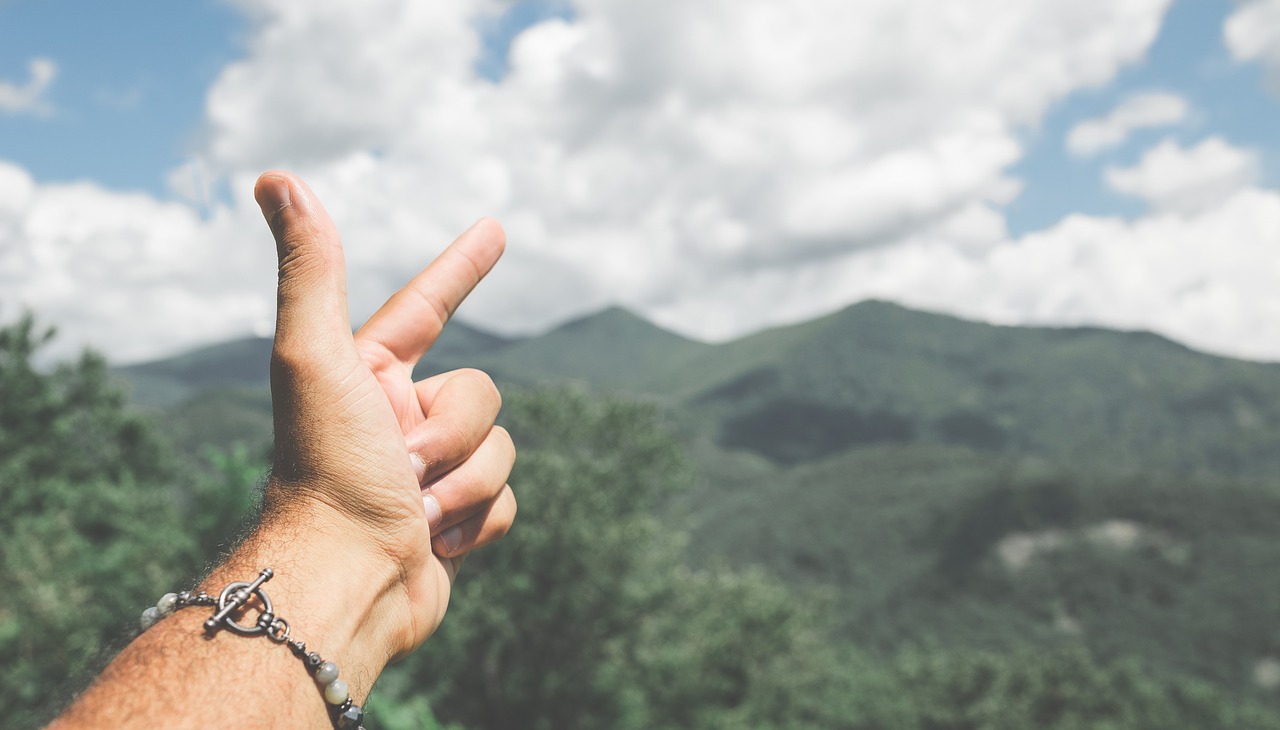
356 439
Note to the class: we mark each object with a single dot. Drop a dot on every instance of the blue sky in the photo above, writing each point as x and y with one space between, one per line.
129 102
1188 58
132 77
717 168
129 95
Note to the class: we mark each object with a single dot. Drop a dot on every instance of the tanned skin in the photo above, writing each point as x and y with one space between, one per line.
380 486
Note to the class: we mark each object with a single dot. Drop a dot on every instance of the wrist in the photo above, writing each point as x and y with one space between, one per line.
340 595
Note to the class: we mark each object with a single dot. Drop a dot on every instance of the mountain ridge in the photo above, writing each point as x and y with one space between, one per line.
889 453
874 372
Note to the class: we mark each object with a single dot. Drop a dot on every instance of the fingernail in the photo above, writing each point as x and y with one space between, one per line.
452 538
433 510
272 194
419 467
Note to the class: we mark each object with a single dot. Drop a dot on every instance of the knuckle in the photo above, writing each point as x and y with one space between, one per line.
502 438
455 442
289 357
482 383
295 233
300 358
300 266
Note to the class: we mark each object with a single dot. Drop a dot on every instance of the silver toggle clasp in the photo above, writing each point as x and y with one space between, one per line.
233 598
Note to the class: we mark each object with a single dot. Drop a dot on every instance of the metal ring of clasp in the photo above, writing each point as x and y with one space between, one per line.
278 631
225 599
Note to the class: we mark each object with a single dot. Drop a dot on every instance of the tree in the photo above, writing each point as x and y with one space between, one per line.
92 532
586 616
1063 689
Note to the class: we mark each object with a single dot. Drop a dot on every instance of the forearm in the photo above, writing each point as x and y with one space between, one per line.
349 528
346 604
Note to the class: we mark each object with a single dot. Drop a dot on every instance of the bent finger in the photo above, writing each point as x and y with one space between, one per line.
459 416
479 530
475 483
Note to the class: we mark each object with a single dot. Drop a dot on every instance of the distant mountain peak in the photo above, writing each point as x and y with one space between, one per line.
616 318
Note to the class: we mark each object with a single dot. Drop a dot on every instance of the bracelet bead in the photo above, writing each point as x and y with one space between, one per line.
349 719
326 673
149 618
336 692
167 604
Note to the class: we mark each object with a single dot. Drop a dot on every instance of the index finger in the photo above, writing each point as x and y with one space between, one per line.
411 320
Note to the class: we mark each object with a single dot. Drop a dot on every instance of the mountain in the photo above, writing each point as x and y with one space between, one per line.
926 544
237 364
243 365
946 482
610 350
878 372
872 373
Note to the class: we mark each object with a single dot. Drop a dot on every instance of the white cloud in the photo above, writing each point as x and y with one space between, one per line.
1252 33
1142 111
1207 279
721 166
645 149
29 97
125 273
1172 178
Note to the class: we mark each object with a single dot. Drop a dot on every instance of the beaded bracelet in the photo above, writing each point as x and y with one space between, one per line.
346 713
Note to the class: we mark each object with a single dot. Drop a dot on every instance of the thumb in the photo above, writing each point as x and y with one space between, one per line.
311 317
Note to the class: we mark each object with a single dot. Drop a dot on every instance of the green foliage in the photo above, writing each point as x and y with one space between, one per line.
924 543
222 501
1082 396
610 606
1061 690
94 528
876 373
586 617
971 534
89 528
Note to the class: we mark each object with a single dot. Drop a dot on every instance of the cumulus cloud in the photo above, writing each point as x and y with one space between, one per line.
642 151
29 97
1142 111
1175 179
1252 33
1207 279
719 166
126 273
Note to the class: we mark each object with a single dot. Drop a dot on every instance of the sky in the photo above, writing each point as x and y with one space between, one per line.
719 166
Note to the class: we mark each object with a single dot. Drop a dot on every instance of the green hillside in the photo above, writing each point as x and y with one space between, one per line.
237 364
610 350
942 545
952 483
878 372
872 373
242 365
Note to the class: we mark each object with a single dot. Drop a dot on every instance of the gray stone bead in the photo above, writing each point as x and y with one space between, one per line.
149 618
166 603
350 718
326 673
336 692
